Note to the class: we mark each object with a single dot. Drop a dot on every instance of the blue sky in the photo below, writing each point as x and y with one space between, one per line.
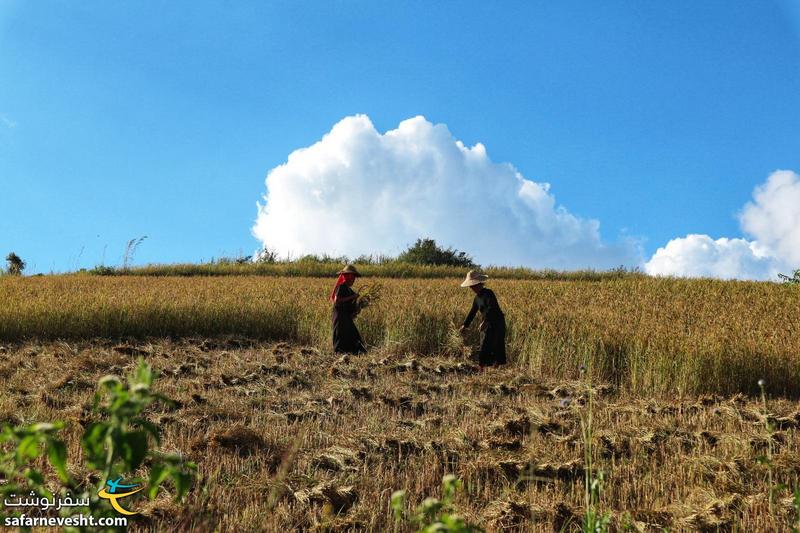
163 118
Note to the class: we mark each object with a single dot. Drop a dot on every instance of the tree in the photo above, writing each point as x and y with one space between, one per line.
427 252
15 264
795 278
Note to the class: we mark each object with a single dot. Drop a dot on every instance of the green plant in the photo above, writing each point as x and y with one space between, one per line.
594 520
22 446
434 515
767 459
15 264
103 270
796 505
794 278
117 444
427 252
266 255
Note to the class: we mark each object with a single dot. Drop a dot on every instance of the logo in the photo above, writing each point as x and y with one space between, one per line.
114 493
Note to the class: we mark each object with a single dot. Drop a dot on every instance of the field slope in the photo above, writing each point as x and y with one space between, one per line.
290 438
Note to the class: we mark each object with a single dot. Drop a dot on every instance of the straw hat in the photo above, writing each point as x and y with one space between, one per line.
474 278
349 269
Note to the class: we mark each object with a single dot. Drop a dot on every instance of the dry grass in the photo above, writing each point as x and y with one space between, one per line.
384 269
293 438
650 336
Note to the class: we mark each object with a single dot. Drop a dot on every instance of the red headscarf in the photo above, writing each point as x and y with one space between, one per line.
341 280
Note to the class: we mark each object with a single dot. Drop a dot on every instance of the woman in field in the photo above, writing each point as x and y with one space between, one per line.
493 323
346 338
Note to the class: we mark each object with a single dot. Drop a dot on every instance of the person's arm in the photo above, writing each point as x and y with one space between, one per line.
471 314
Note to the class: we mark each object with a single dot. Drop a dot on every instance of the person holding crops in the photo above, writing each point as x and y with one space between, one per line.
346 338
493 323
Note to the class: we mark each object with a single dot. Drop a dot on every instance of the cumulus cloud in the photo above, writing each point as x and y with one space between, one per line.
771 220
773 217
702 256
358 191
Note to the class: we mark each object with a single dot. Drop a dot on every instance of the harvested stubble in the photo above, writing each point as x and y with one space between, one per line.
327 457
654 336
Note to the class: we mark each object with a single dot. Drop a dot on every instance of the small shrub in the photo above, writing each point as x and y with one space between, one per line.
103 270
266 255
794 278
15 264
427 252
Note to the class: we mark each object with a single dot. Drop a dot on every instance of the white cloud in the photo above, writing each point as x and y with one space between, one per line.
8 122
773 217
702 256
772 220
357 191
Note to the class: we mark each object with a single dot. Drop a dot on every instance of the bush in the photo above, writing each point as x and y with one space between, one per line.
427 252
15 264
103 270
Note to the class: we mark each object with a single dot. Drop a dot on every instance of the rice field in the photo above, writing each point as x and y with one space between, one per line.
293 438
650 336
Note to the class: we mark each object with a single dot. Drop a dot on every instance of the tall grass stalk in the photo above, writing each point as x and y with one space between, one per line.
768 459
594 521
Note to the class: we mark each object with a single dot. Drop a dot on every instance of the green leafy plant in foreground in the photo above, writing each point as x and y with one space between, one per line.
594 520
116 445
434 515
767 460
20 447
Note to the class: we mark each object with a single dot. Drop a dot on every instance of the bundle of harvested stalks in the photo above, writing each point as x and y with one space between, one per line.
368 295
455 343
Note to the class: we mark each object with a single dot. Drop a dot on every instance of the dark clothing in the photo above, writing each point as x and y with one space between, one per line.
493 334
346 338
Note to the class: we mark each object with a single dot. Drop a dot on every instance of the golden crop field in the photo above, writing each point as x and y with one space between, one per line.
291 437
650 336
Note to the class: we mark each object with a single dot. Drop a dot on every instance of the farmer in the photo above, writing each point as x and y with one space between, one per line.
493 323
346 338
